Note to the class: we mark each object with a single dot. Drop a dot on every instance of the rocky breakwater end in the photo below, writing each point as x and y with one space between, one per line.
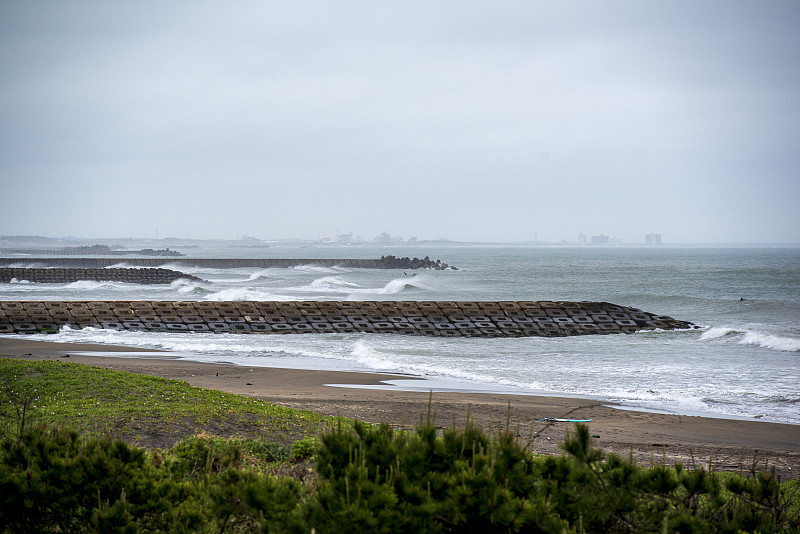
442 319
385 262
66 276
415 263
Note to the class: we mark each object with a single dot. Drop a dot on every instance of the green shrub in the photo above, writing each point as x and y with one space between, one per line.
263 451
201 455
304 448
371 479
376 480
52 480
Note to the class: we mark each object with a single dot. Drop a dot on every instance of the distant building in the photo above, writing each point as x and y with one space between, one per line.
581 239
600 239
384 238
652 240
249 242
345 239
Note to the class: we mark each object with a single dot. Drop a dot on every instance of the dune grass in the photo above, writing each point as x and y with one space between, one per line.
149 411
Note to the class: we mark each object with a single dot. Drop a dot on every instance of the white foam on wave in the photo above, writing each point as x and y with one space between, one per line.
398 285
754 338
175 342
243 293
327 284
394 287
717 332
327 351
191 269
93 335
261 273
371 358
414 363
15 281
313 269
188 287
332 283
201 272
767 341
94 285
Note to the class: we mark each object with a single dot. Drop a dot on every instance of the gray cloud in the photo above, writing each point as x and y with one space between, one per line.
465 120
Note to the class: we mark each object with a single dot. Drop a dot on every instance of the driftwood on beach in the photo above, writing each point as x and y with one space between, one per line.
425 318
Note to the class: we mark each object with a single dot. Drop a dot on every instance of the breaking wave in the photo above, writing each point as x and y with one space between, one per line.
244 293
332 283
319 269
717 332
767 341
394 287
94 285
755 338
261 273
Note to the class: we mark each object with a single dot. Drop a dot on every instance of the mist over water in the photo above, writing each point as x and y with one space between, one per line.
743 362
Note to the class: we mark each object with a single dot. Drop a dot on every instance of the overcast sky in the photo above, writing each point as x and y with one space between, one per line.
498 121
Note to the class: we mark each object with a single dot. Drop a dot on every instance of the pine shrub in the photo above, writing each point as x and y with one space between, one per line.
372 479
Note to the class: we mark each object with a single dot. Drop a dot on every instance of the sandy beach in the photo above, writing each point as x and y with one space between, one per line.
727 443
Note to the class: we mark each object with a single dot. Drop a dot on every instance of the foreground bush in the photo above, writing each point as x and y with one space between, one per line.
51 480
371 479
379 481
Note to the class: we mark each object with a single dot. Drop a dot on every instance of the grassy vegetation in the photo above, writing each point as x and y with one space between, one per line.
149 411
371 479
243 465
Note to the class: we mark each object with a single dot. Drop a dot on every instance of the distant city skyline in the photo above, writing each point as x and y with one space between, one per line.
384 239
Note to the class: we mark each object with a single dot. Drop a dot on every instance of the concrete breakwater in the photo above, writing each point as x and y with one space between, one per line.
446 319
386 262
91 249
66 276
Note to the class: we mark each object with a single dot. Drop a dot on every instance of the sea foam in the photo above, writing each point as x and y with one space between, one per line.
94 285
244 293
332 283
717 332
393 287
771 342
319 269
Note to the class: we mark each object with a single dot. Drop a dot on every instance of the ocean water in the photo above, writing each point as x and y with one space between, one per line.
743 361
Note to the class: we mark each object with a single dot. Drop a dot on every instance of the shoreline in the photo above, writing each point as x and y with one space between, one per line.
728 444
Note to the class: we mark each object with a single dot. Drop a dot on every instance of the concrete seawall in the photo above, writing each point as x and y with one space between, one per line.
84 250
66 276
444 319
388 262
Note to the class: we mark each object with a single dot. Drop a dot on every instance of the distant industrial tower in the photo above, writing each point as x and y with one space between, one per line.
652 240
601 239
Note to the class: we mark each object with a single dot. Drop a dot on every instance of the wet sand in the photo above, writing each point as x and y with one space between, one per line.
728 444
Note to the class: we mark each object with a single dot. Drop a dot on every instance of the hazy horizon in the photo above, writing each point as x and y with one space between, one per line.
506 122
374 241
